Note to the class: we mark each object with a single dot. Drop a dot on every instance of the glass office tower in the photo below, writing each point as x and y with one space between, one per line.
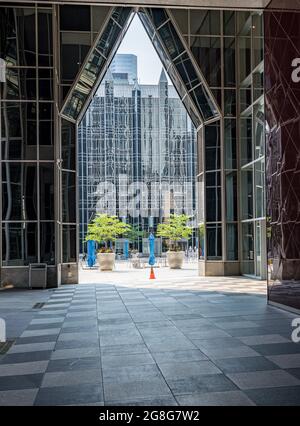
133 136
57 55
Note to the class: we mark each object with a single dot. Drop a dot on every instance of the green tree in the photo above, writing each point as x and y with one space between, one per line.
135 234
174 230
105 229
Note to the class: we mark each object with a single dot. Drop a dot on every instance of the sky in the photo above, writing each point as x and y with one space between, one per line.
137 42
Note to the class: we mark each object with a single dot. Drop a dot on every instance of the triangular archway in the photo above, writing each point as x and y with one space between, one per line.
160 26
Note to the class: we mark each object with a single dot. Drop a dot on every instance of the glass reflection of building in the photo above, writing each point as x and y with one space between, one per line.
136 133
56 56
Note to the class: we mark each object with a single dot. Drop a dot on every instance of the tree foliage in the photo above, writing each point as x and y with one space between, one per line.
175 229
104 228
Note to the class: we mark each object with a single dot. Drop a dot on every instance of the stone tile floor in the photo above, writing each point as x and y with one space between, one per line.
181 340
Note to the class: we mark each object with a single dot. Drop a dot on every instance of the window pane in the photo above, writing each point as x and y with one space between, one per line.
232 241
68 197
212 146
246 140
231 196
213 196
171 40
247 248
18 131
247 193
75 18
46 191
47 242
260 188
45 53
214 241
68 145
19 244
69 243
207 52
245 57
26 36
230 144
229 62
45 84
19 191
20 84
229 22
230 102
205 22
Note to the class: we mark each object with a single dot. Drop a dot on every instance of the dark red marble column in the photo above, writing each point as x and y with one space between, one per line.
282 99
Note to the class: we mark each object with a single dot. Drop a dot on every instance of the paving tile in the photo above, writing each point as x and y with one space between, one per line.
23 368
278 349
26 357
70 378
152 387
69 395
179 370
73 364
64 337
24 397
201 384
235 352
111 361
222 342
229 398
294 372
178 356
75 353
263 379
266 339
285 396
241 365
76 344
31 347
161 401
28 381
124 349
45 332
286 361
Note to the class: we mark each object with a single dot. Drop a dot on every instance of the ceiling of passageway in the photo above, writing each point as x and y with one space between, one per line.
222 4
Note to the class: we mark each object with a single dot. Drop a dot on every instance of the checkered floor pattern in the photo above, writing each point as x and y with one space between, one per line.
208 342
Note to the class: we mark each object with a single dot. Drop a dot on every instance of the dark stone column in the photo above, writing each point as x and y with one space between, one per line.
282 99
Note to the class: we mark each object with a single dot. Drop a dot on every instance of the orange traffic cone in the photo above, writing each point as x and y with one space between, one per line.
152 275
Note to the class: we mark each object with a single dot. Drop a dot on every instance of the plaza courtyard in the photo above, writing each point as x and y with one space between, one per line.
120 338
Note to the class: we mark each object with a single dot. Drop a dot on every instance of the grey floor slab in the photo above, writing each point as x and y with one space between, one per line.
24 397
240 365
263 379
176 343
228 398
201 384
70 395
286 361
285 396
71 378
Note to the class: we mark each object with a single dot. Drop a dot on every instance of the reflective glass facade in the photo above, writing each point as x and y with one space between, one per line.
27 137
55 58
136 138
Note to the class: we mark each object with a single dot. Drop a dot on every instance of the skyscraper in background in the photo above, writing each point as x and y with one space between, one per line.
124 63
137 155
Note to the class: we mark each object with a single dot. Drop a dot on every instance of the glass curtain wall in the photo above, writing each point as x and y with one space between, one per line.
27 137
252 144
211 38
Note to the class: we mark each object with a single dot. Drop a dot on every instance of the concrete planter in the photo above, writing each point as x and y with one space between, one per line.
175 259
106 261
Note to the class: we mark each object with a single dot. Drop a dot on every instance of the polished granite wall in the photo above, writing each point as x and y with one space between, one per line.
282 99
